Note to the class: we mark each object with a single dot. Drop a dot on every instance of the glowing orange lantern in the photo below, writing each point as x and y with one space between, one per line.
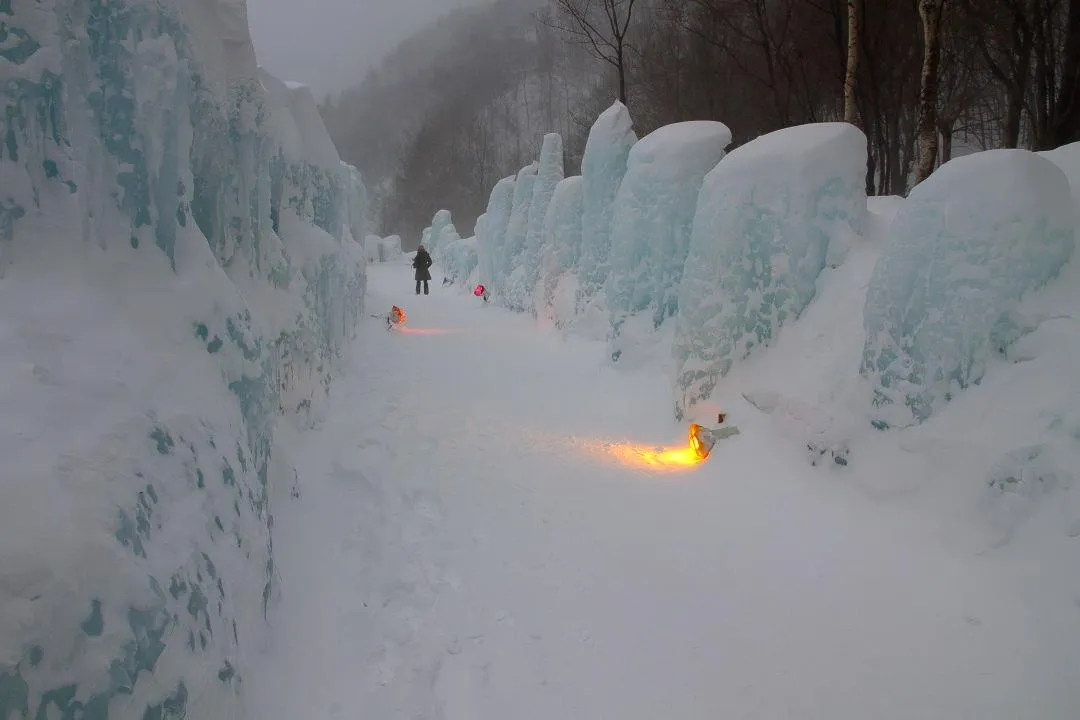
396 316
703 439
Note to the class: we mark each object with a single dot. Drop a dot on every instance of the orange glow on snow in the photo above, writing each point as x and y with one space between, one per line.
657 459
653 458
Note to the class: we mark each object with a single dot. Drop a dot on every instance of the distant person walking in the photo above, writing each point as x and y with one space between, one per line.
422 262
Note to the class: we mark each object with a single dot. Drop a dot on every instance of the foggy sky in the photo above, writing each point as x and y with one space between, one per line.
330 44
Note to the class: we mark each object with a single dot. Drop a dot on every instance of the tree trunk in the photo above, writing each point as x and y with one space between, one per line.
850 114
1065 123
930 15
620 66
946 129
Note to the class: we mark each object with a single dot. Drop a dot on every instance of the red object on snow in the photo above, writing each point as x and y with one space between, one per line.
479 291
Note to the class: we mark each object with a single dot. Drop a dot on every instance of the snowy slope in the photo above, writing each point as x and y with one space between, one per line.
178 271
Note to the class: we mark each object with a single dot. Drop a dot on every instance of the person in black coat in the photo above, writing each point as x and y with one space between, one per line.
422 262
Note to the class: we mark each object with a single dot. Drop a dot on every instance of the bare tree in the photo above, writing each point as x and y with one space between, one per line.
930 14
602 26
852 67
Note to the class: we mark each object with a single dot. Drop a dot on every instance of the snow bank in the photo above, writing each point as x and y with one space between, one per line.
653 217
768 218
179 270
962 251
602 169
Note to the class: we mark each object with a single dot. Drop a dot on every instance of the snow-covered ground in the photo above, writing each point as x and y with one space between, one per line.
473 540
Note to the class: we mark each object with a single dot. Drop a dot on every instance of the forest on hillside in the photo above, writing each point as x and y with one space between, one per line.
467 100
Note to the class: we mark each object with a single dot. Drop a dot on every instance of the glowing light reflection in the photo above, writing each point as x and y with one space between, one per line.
638 456
657 459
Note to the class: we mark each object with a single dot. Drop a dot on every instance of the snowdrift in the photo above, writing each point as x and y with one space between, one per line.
179 270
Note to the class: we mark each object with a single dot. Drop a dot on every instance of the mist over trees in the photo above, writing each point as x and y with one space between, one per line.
467 101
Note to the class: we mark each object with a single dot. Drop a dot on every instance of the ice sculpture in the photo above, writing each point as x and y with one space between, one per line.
970 241
491 237
511 272
765 222
549 173
556 287
461 258
181 269
373 248
602 169
653 217
391 247
1067 157
433 234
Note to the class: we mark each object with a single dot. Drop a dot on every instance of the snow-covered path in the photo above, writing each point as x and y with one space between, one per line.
464 548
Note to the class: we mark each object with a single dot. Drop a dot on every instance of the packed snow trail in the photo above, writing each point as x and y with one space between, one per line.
462 547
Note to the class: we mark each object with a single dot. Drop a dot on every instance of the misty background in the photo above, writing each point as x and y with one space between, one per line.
436 100
330 44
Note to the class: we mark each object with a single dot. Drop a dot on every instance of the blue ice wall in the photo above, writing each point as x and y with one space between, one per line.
156 188
968 244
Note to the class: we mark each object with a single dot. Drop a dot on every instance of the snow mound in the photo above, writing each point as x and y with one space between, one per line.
768 218
180 273
966 246
653 217
1067 157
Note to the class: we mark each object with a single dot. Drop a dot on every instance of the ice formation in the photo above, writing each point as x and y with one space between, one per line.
510 273
602 169
970 241
373 248
549 173
557 284
767 218
461 258
653 218
1067 157
391 247
179 270
433 233
444 242
491 235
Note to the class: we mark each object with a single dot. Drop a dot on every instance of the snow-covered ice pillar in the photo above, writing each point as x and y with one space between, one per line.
766 221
